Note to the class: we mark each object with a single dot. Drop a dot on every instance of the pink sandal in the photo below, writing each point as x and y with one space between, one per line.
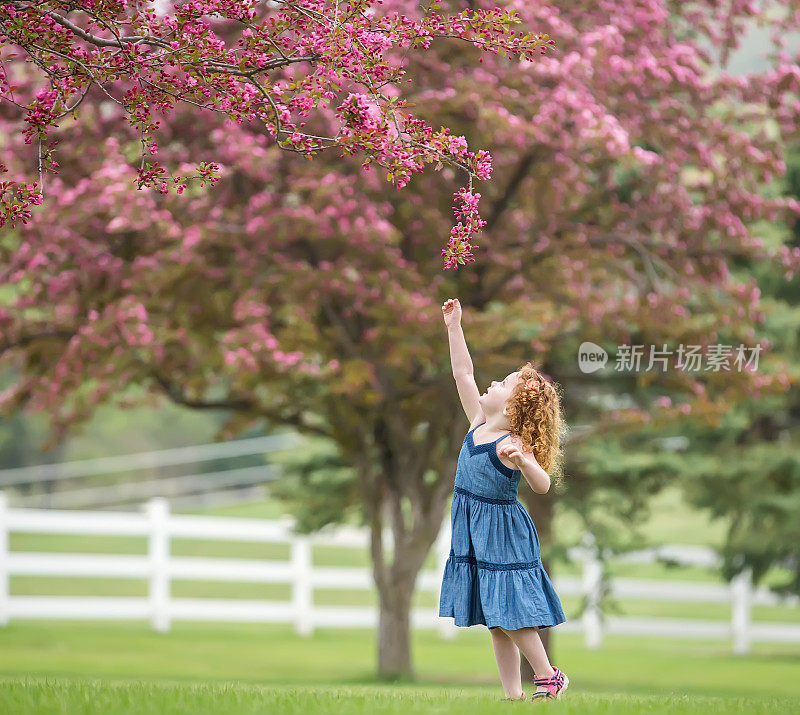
556 684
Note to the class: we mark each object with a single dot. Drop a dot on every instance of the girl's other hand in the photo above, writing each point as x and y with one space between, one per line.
513 454
451 309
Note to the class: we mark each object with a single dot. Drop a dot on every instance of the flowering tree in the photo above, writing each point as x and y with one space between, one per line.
154 62
305 294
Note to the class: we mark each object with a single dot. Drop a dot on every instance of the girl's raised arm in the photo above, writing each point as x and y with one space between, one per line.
460 360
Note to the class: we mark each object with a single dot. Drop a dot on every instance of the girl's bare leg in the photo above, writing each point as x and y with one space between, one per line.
508 659
530 643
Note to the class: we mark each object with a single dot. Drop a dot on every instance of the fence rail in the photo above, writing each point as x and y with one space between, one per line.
188 490
160 568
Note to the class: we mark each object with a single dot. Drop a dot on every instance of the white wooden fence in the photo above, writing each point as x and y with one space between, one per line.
160 568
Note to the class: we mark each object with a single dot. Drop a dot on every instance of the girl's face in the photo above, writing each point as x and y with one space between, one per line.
497 394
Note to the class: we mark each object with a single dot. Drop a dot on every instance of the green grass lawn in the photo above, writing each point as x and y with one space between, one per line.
59 666
109 698
236 698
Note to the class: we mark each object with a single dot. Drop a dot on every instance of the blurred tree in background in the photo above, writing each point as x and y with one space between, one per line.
627 193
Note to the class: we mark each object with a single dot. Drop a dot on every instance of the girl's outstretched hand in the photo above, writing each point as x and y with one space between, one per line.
451 310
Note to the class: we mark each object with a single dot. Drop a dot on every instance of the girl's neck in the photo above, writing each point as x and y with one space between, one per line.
496 423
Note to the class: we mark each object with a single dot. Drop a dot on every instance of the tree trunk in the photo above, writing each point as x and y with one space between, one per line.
394 634
395 580
541 509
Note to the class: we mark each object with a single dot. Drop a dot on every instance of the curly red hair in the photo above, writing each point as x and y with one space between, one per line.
535 414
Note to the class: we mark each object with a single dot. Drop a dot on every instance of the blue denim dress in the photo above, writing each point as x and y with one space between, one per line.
494 575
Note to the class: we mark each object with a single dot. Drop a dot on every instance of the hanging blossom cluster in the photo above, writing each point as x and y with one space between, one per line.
148 62
459 249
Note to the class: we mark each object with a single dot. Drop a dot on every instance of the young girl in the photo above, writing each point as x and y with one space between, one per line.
494 575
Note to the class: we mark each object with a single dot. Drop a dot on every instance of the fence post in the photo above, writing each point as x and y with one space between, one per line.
158 514
302 589
592 571
444 626
4 594
741 601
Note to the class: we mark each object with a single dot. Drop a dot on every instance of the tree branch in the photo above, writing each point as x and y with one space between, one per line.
179 397
28 339
122 42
